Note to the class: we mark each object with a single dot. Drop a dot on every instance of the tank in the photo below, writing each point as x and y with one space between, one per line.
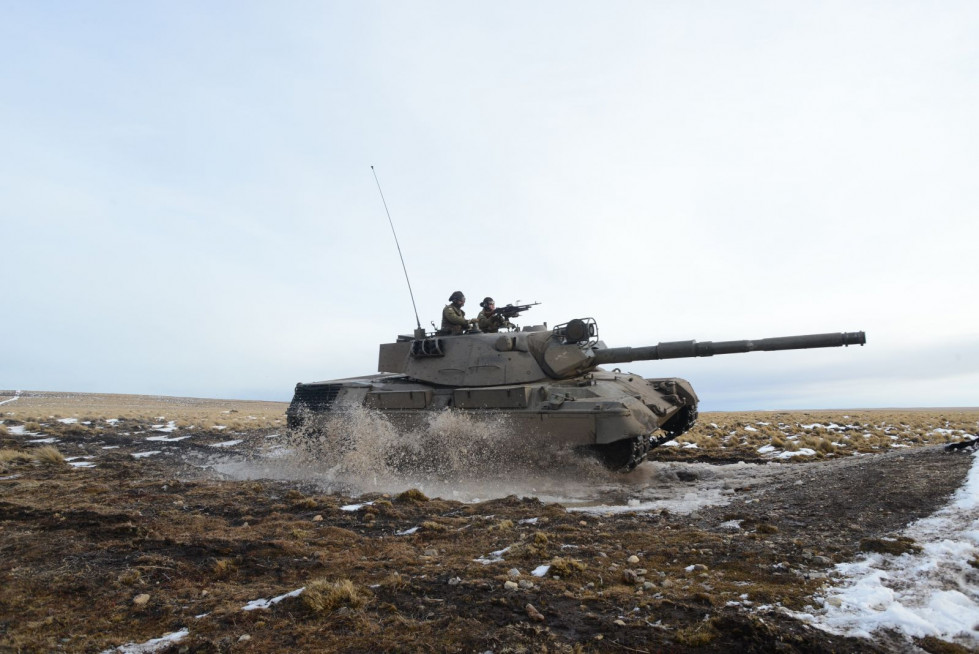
549 383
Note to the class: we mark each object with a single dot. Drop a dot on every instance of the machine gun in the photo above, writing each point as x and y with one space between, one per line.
511 310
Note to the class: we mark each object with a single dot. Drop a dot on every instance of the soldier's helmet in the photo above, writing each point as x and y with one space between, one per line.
457 296
486 301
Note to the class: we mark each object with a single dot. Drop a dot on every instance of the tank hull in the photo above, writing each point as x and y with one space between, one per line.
620 416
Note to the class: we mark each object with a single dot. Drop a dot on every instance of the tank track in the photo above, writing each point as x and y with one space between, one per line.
640 448
626 455
681 422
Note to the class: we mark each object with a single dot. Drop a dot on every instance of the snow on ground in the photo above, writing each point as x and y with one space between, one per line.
150 646
266 603
355 507
492 557
167 428
540 570
16 395
680 503
932 593
802 451
167 439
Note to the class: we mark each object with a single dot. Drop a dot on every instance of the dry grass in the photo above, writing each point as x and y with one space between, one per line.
411 495
10 458
566 567
47 455
894 546
14 456
36 408
699 635
322 596
826 433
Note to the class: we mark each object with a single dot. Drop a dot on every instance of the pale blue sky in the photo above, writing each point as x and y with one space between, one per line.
188 208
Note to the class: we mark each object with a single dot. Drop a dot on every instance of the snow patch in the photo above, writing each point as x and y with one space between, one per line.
150 646
355 507
492 557
931 593
266 603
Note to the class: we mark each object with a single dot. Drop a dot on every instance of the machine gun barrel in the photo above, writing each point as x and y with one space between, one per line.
512 310
690 349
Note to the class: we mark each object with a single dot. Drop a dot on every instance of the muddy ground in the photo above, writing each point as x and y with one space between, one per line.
115 549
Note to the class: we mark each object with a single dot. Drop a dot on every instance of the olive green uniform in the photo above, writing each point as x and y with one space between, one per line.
453 320
489 323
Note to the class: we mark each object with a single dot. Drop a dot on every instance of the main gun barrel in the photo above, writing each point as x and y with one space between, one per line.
689 349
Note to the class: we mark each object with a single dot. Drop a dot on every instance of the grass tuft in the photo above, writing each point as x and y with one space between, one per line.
412 495
223 568
896 547
130 577
566 567
394 580
14 456
322 596
698 635
49 455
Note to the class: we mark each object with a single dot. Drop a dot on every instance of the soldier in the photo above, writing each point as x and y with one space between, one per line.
487 321
453 317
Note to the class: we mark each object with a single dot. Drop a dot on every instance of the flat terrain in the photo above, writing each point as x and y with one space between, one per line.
125 519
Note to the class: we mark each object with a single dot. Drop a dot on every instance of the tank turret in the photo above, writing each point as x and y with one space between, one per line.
566 351
547 382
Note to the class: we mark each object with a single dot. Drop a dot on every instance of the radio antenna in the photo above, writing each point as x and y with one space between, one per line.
403 266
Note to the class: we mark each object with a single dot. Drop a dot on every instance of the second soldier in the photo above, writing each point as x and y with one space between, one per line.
488 320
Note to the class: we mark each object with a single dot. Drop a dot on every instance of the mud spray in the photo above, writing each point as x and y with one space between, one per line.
451 455
459 456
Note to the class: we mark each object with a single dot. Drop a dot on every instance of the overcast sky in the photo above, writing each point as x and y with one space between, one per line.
187 204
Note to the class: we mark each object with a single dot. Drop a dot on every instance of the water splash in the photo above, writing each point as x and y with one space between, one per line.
450 453
468 457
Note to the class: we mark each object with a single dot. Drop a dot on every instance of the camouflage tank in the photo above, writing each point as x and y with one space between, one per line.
547 382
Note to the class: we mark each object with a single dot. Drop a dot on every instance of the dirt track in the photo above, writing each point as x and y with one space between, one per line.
136 548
